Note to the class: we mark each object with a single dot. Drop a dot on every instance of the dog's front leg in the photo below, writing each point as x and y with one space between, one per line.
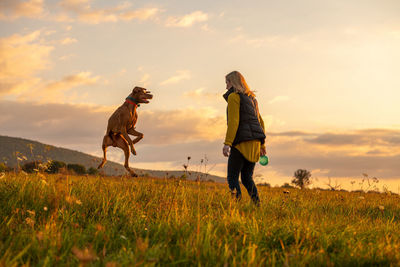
128 139
138 135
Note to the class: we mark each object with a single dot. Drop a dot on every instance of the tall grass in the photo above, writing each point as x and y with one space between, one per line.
48 220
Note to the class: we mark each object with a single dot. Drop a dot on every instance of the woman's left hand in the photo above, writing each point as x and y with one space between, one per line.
263 151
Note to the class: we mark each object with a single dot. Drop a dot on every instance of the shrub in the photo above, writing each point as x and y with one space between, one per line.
92 171
55 166
286 185
77 168
3 167
31 167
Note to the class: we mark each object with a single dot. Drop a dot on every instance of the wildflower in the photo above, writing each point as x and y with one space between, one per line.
40 236
381 207
85 255
100 228
31 212
141 244
30 222
145 229
72 199
45 208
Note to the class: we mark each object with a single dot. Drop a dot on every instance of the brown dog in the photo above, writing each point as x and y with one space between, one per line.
122 122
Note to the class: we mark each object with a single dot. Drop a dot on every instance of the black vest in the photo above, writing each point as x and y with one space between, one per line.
249 125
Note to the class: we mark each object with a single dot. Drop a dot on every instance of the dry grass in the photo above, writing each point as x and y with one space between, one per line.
48 220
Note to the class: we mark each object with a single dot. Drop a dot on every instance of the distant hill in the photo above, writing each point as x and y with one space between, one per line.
33 150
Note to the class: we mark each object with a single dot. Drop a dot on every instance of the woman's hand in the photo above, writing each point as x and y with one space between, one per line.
263 151
226 150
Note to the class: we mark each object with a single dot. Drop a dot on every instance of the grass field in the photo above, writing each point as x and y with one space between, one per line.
48 220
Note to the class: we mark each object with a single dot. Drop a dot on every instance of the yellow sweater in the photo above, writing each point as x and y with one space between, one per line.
249 149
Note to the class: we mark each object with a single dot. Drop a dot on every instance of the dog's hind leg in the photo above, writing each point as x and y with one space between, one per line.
121 143
107 141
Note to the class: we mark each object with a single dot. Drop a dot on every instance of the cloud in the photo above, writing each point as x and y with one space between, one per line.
14 9
66 124
53 91
369 138
68 41
21 57
140 14
187 20
373 151
278 99
180 76
180 126
144 81
263 41
172 135
200 93
84 12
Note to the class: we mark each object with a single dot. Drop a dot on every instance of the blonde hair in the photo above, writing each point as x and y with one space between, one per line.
239 83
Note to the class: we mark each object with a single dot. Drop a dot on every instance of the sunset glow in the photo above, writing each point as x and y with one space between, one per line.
326 75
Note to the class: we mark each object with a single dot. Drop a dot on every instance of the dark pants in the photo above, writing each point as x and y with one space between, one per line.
237 163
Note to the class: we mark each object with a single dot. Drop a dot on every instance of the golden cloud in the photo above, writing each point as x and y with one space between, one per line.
179 76
68 40
172 135
200 93
54 91
187 20
13 9
88 14
21 57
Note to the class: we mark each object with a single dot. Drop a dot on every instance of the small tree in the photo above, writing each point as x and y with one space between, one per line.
92 171
77 168
301 178
55 166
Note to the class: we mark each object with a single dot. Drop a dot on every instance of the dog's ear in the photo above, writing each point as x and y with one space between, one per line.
136 90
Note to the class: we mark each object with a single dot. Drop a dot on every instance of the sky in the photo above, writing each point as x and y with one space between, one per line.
326 75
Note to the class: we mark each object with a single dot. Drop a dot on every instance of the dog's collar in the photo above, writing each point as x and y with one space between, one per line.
132 101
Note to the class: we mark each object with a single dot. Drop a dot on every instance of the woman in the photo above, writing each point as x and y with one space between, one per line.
245 136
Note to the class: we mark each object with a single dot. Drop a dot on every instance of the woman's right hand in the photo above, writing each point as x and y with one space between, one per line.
226 150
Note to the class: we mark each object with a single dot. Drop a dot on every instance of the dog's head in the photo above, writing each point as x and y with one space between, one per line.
141 95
